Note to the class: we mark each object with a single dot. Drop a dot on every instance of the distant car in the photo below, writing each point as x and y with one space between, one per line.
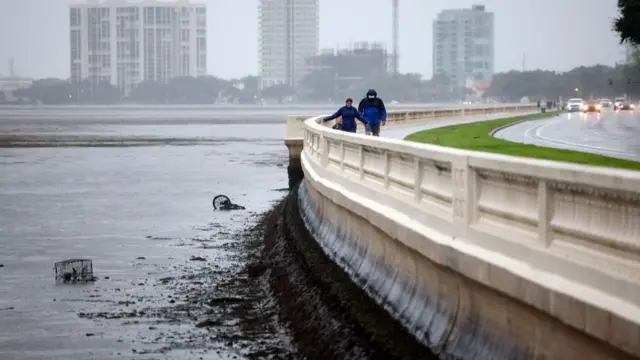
575 104
591 106
606 103
625 105
617 102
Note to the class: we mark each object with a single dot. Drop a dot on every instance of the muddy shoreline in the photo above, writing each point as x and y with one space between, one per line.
329 316
207 310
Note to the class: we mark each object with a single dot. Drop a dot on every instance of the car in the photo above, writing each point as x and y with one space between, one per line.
625 105
574 104
591 106
606 103
617 102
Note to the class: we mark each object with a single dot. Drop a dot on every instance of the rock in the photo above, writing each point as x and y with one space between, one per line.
197 258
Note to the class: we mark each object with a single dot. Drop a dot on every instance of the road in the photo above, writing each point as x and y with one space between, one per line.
615 134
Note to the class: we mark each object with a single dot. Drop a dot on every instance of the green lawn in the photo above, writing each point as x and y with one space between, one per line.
475 137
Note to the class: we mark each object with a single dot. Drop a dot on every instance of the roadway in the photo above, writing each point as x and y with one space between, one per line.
614 134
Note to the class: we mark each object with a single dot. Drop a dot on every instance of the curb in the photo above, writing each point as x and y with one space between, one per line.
500 128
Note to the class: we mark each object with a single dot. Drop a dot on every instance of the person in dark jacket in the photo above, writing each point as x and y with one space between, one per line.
349 115
374 112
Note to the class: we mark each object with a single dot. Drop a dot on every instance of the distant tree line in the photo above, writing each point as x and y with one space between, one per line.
182 90
591 82
316 88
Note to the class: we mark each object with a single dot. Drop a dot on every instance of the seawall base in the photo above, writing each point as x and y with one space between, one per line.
331 317
294 172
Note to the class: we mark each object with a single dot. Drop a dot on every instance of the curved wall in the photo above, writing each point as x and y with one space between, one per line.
481 256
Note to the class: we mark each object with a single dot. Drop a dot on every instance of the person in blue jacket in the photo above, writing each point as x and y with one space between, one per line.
373 111
349 115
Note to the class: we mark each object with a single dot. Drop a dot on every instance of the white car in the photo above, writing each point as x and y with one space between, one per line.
618 102
575 104
606 103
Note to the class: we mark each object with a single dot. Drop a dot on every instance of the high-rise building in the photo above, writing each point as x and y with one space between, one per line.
463 47
124 42
289 33
344 69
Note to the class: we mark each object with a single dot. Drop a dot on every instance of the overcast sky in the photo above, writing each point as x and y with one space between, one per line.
554 34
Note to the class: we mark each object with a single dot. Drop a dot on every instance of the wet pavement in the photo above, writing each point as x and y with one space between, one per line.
615 134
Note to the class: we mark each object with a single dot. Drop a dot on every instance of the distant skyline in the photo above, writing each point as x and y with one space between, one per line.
550 33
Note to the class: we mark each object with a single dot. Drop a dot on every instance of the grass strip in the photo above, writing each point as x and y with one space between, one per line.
475 137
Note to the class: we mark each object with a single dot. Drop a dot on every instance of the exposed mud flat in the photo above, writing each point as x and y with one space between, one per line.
329 316
209 310
173 276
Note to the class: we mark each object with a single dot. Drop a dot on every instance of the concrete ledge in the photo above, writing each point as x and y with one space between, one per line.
459 305
500 128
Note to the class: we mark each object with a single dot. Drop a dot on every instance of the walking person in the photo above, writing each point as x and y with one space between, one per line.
373 111
349 115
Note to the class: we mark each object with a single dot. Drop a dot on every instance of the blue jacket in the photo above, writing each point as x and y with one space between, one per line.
373 110
349 116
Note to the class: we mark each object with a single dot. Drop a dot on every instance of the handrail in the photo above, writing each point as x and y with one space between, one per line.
294 122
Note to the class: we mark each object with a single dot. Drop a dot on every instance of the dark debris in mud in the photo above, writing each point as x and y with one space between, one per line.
330 316
210 304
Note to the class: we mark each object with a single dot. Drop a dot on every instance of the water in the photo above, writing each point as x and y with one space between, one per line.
143 214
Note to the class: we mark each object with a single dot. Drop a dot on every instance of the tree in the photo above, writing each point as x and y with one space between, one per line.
278 92
627 25
591 82
318 86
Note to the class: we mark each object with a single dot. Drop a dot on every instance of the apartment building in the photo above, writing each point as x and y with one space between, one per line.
126 42
347 67
288 34
463 46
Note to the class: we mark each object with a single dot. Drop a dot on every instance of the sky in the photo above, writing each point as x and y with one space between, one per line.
551 34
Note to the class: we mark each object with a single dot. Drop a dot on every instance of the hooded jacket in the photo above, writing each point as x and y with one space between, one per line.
372 108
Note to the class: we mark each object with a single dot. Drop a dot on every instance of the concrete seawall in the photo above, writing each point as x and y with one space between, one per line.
477 256
329 315
453 316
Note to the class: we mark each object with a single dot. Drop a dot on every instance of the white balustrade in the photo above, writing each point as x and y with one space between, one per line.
577 222
294 123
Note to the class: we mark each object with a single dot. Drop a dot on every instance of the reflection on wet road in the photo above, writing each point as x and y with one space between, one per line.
615 134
